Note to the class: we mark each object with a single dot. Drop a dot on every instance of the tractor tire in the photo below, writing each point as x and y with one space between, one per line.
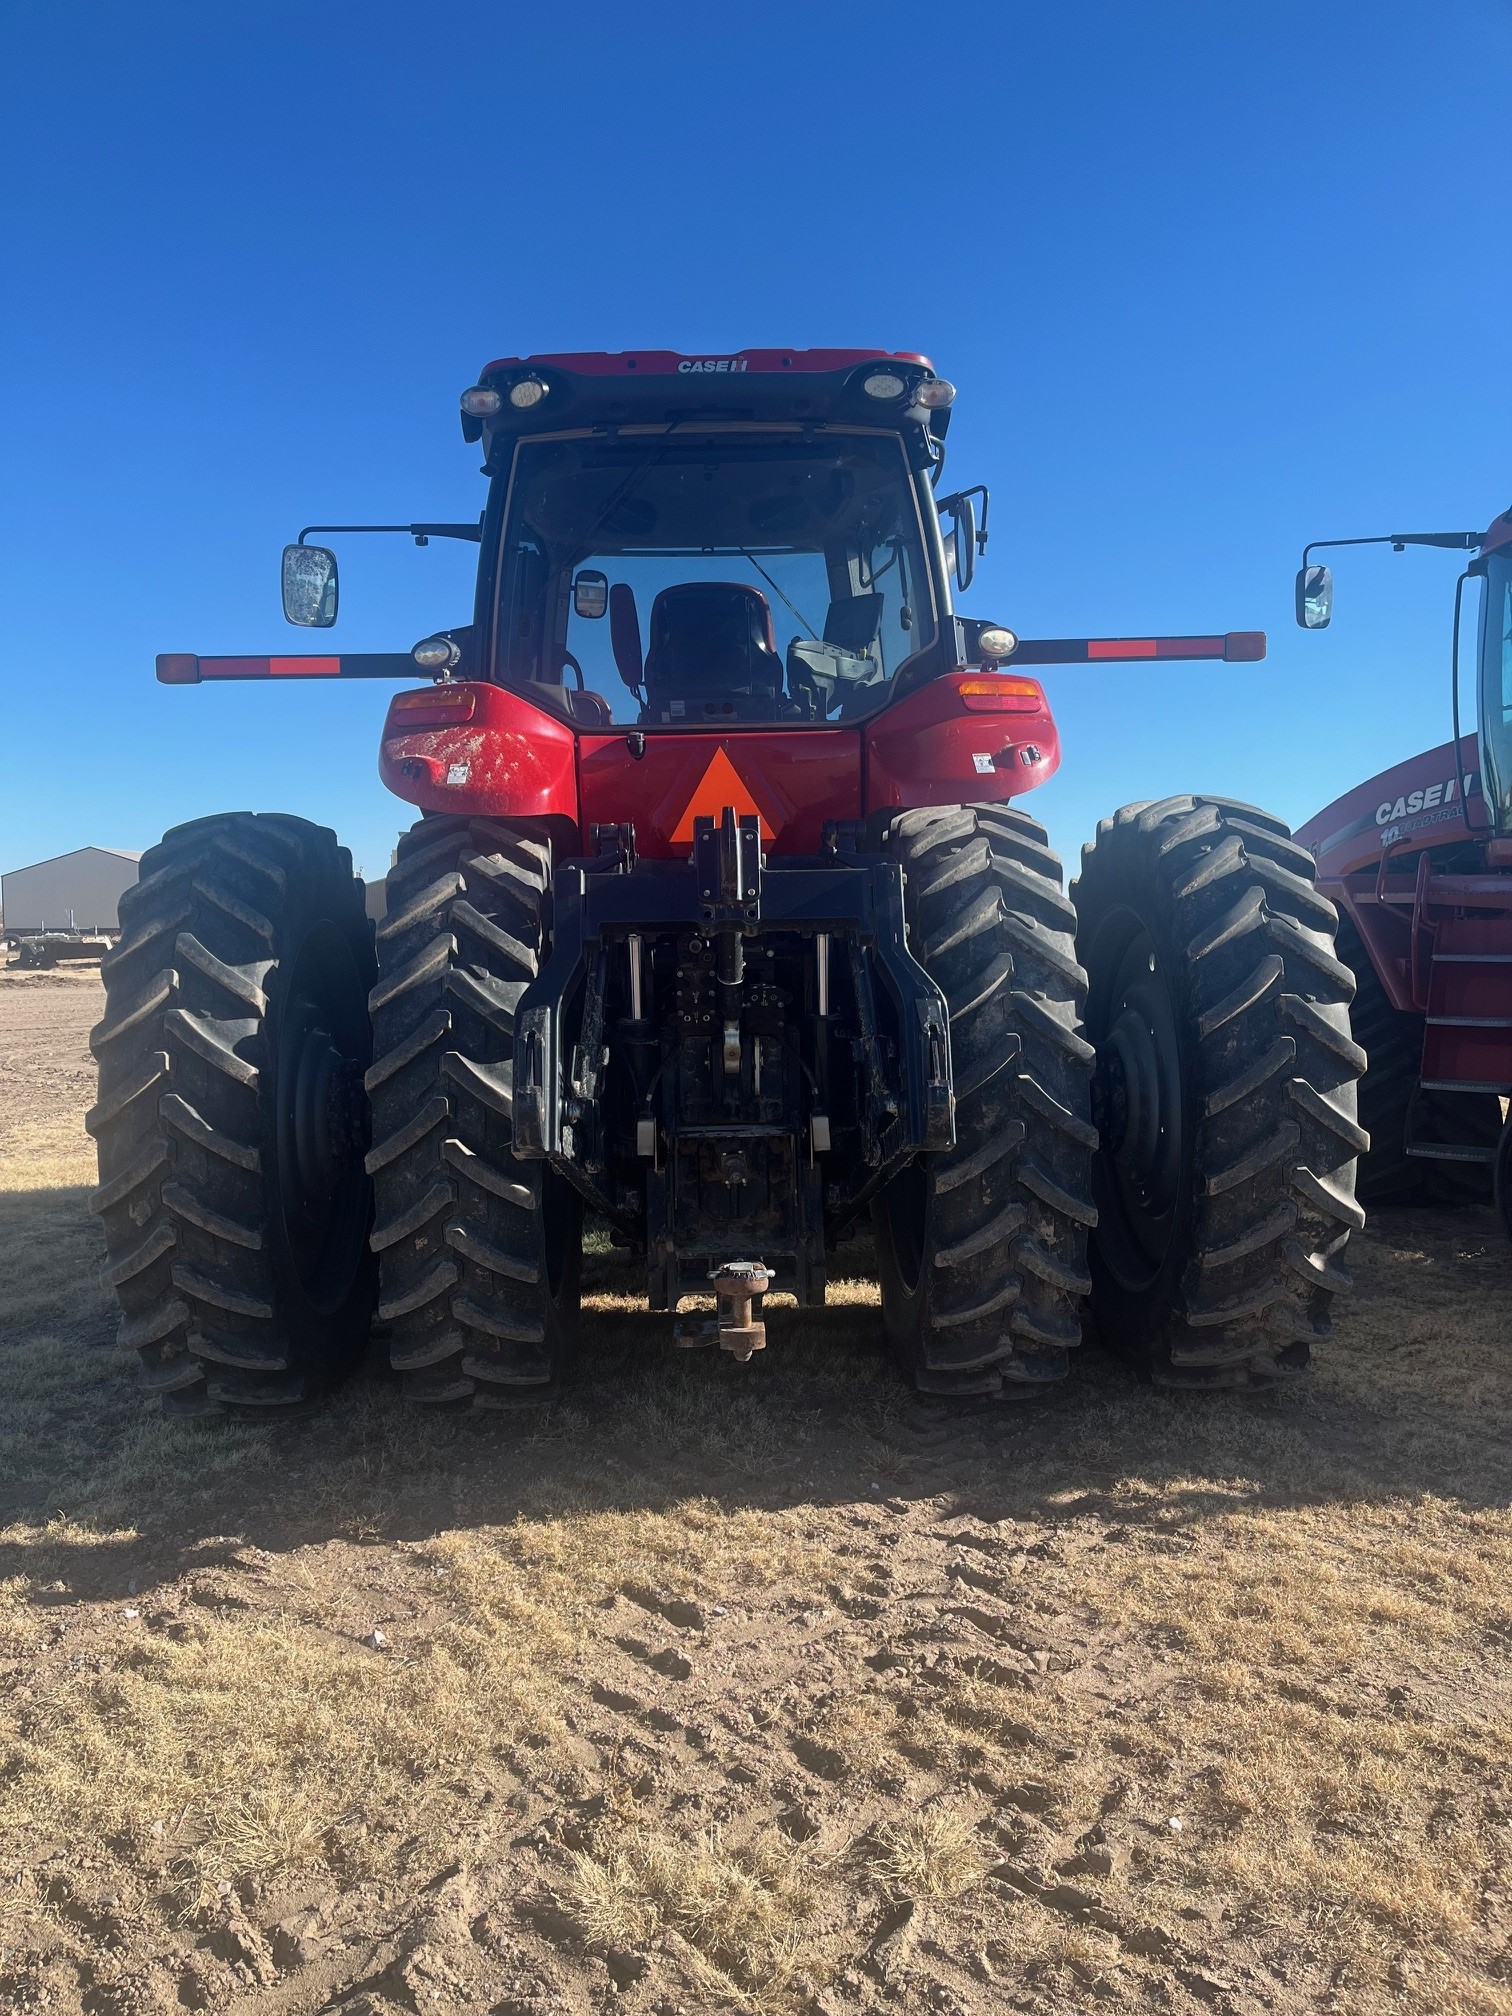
1394 1106
479 1254
1224 1093
231 1123
982 1250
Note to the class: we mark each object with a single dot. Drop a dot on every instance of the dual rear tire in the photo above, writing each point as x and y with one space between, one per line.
1156 1102
269 1180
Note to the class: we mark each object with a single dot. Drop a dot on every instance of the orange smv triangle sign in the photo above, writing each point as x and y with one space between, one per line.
720 785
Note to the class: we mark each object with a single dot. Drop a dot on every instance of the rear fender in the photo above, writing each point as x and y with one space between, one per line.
967 738
498 756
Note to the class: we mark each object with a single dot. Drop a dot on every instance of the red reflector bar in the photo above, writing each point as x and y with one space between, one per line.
1121 647
181 668
1236 647
270 668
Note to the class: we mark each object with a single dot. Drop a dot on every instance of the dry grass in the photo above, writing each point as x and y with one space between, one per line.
934 1856
760 1687
737 1914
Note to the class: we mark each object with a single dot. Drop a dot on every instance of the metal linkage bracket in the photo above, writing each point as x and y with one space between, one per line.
727 861
856 898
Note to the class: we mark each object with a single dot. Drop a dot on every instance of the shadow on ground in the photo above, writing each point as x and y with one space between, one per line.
1411 1399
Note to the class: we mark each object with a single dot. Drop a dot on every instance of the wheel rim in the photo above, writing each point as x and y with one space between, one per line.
322 1119
907 1198
1137 1103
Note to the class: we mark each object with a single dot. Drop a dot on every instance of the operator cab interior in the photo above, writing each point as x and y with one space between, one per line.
650 579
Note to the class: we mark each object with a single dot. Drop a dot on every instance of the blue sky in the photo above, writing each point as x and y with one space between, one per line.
1211 280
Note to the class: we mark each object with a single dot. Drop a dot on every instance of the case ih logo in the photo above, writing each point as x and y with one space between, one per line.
1414 810
686 364
1424 801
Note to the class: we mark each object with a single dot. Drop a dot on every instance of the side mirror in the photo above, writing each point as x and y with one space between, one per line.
1314 597
590 593
964 541
310 586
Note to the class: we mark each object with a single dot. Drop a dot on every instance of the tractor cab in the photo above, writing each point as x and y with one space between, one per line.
754 541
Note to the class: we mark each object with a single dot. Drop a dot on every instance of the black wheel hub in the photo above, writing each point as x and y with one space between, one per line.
322 1118
327 1115
1137 1106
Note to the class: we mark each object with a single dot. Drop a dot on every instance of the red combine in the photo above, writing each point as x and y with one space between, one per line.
1419 862
736 943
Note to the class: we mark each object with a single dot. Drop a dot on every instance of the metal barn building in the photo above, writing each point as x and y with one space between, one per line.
82 888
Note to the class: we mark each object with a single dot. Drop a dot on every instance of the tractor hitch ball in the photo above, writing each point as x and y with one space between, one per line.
738 1288
740 1285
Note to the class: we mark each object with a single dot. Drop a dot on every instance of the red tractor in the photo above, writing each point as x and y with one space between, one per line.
738 945
1419 862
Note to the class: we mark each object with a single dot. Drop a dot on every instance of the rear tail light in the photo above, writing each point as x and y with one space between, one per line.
995 694
438 707
481 402
934 393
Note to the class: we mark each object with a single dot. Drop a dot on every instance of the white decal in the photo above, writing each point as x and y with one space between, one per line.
1423 801
984 765
686 364
458 773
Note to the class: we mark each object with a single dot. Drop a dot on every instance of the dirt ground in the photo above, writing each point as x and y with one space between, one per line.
762 1687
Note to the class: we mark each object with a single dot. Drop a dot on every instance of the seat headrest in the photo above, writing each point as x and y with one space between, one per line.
712 633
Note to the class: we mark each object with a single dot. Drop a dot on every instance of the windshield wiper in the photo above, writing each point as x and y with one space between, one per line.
778 591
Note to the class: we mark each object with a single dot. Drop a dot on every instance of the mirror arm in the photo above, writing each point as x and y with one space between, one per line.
421 534
1458 542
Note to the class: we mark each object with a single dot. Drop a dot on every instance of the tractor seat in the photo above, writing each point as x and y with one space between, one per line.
712 653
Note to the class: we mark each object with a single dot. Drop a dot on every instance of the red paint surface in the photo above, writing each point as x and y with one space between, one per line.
520 761
524 763
796 779
922 751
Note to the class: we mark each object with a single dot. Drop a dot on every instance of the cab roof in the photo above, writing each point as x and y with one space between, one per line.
655 387
663 363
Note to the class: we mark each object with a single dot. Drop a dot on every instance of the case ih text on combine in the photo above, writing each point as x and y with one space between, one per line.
1419 862
737 944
